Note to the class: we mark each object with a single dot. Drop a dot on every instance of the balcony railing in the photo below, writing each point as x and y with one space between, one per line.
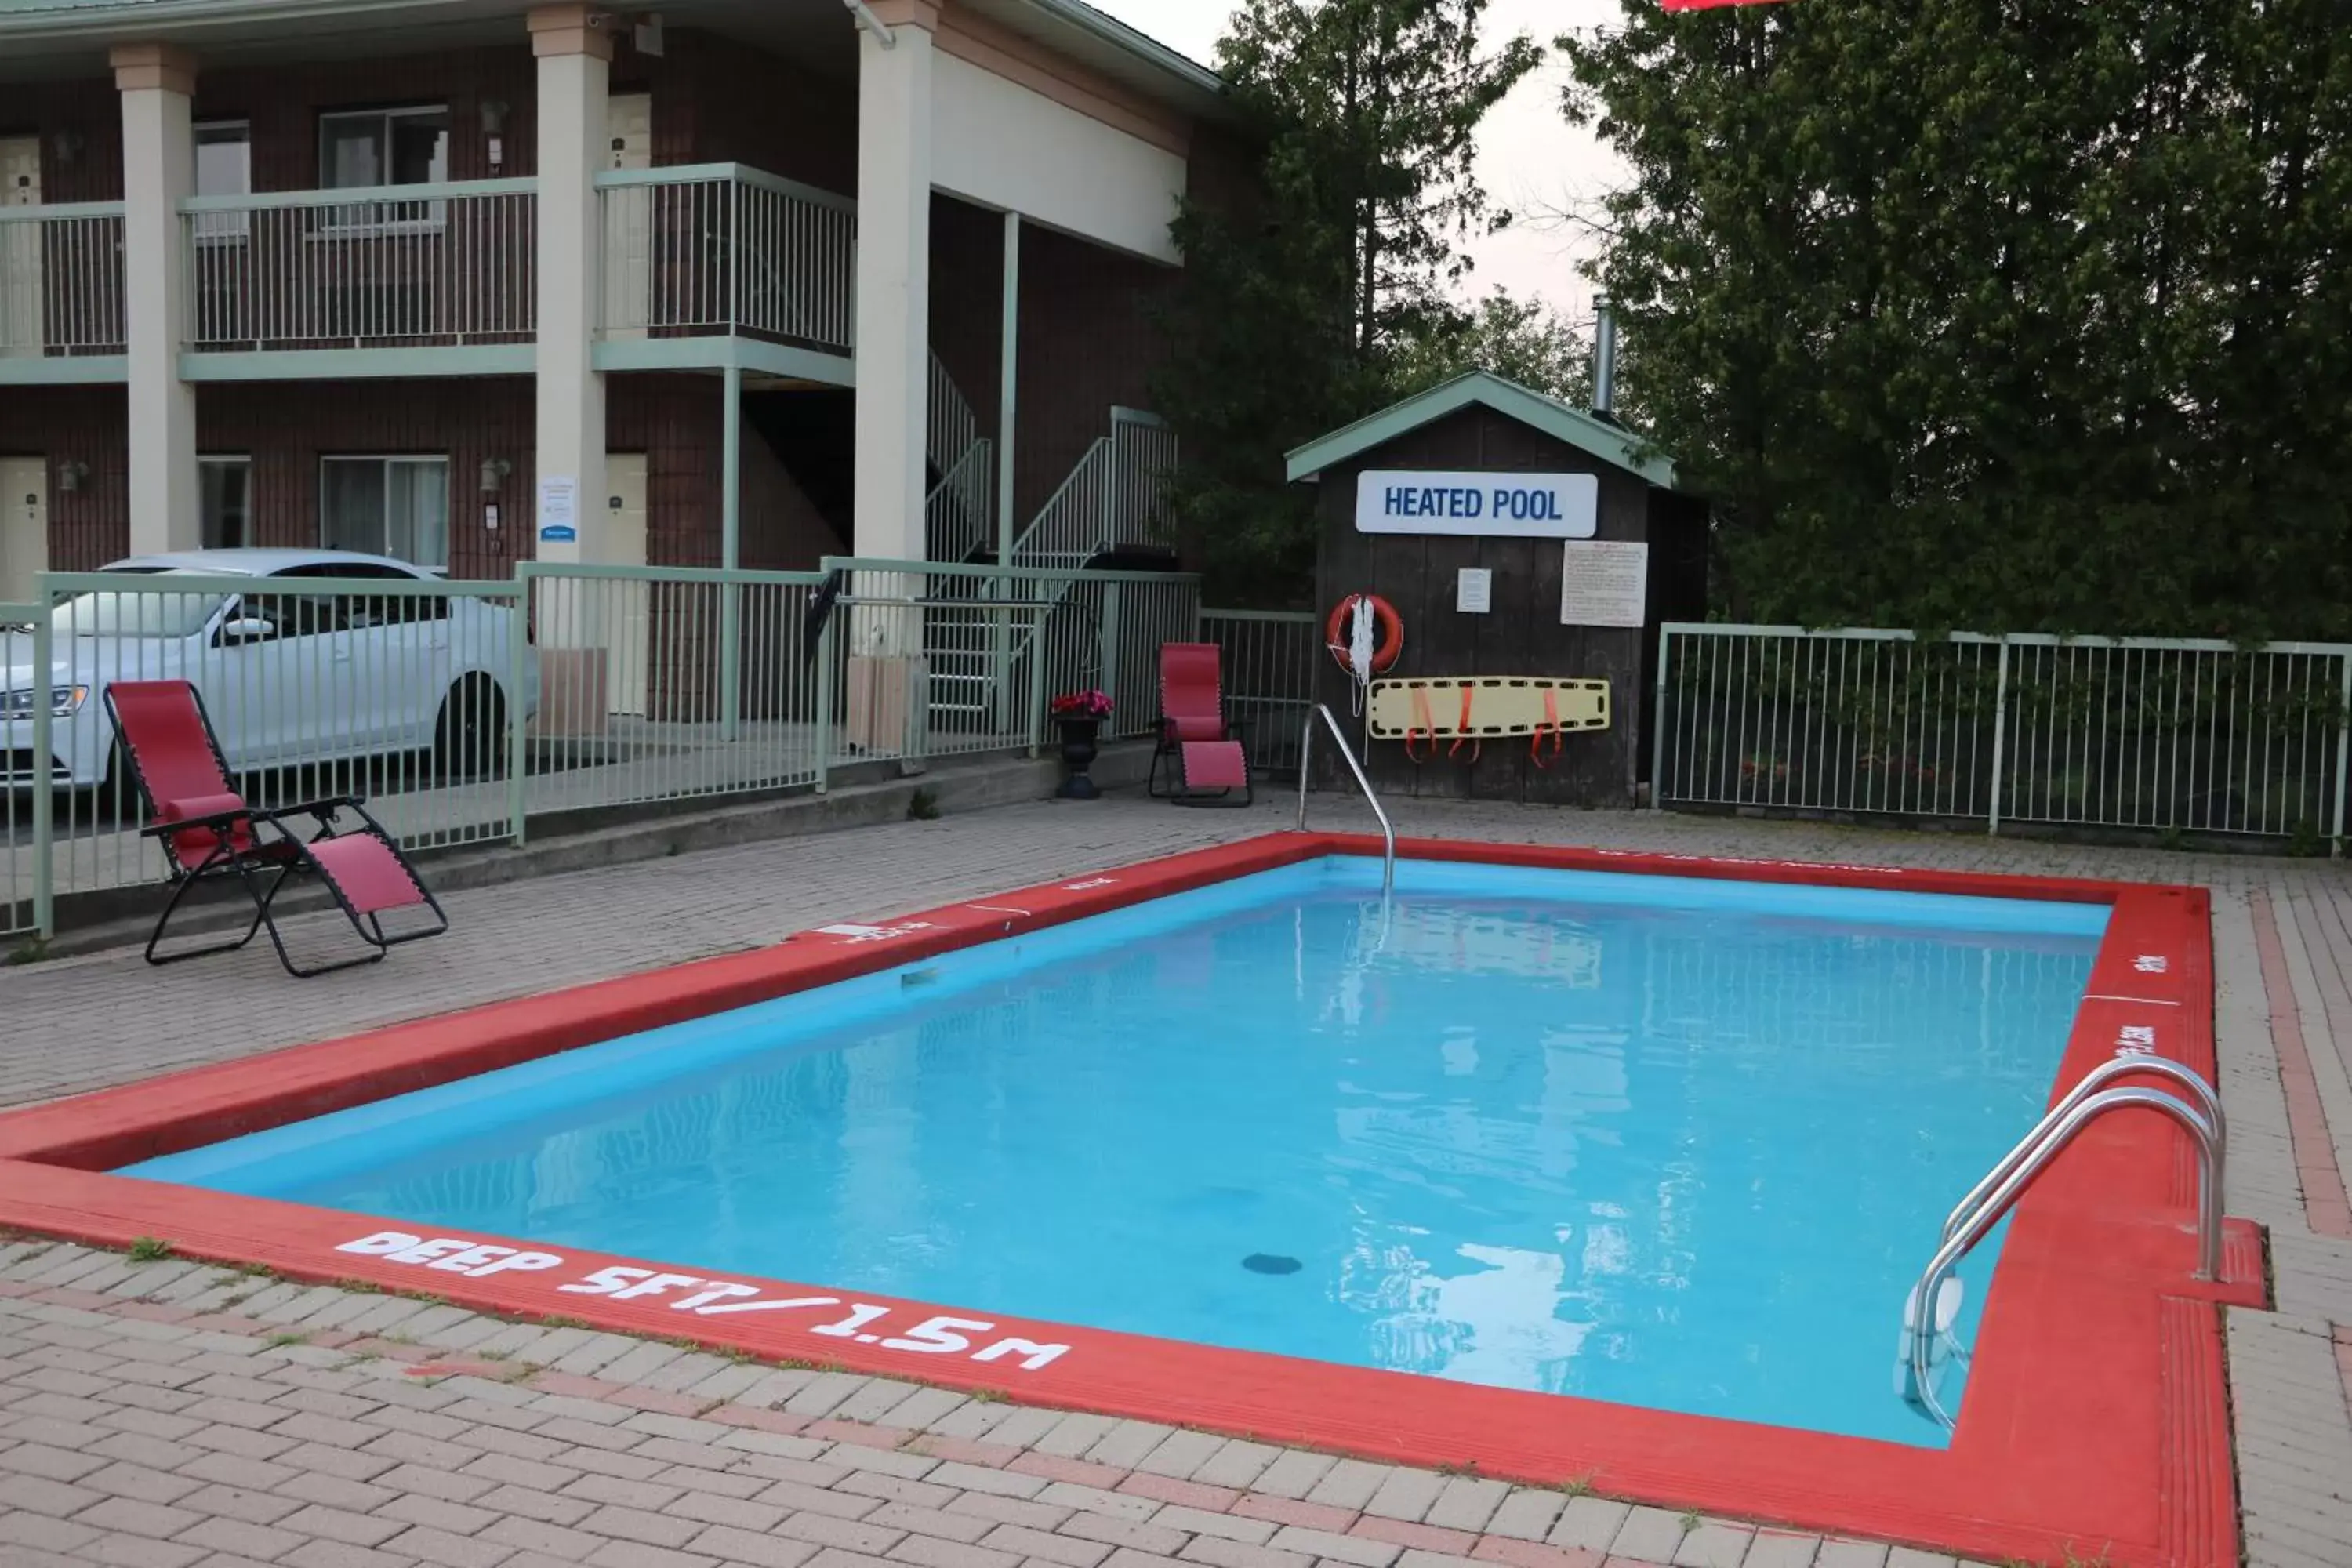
719 248
394 266
61 280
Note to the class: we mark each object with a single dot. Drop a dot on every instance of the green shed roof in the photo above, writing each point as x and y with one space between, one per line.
1610 443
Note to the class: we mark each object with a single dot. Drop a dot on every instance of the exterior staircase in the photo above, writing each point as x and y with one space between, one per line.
1115 497
960 511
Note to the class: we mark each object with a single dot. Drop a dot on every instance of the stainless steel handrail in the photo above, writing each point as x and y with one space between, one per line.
1307 755
1921 1326
2093 1082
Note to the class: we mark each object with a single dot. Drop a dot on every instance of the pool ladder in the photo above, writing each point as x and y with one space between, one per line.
1975 1216
1306 756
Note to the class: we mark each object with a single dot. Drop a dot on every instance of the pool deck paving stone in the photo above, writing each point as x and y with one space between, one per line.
158 1411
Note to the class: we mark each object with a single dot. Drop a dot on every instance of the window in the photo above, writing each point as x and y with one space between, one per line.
225 487
379 147
224 168
361 611
386 505
384 147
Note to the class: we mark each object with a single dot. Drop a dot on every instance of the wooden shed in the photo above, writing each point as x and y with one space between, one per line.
1514 535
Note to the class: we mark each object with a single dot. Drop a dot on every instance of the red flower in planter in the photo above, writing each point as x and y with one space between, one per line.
1081 705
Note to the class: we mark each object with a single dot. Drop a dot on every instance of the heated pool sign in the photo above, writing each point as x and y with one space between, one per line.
1487 505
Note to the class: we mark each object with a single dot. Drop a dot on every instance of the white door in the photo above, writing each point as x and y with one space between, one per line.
20 247
628 673
629 229
24 526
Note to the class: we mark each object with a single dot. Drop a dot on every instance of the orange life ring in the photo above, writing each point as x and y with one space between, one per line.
1384 614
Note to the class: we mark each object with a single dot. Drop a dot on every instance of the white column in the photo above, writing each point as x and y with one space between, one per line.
574 67
568 515
894 276
159 170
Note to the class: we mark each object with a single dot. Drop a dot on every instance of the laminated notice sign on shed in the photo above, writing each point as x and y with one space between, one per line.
1511 536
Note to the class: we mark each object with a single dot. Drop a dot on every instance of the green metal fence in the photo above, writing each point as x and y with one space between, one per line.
398 690
464 712
1268 658
24 652
2163 736
935 659
666 684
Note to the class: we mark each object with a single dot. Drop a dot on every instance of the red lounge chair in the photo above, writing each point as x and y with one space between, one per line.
1210 763
209 832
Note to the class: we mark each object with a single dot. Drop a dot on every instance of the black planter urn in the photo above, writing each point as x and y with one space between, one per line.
1078 756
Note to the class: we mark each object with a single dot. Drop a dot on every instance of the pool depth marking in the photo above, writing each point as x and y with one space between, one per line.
2096 1411
938 1334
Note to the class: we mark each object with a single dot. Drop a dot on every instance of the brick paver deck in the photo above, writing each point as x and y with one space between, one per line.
171 1414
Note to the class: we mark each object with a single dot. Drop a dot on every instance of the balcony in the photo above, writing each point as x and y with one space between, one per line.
438 279
61 293
704 265
712 264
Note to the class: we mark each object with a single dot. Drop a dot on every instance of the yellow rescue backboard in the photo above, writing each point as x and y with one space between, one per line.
1499 705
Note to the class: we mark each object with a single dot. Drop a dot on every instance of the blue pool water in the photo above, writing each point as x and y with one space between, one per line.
1669 1141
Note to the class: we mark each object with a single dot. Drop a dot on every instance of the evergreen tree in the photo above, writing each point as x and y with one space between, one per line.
1296 305
1518 340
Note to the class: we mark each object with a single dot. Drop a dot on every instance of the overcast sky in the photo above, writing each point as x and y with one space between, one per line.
1528 157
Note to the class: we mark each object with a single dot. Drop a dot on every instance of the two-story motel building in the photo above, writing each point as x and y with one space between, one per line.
471 281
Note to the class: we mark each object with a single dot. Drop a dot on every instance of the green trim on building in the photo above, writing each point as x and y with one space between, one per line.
719 352
361 364
1610 443
62 370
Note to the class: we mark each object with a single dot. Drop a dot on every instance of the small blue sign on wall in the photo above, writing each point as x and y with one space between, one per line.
559 533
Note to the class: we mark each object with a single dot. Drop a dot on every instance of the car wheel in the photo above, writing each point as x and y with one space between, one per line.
471 733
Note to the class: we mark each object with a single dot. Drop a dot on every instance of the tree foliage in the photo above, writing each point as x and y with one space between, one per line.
1520 340
2010 314
1297 301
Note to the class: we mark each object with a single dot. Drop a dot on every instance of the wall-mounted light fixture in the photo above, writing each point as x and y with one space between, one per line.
494 474
67 146
70 474
494 125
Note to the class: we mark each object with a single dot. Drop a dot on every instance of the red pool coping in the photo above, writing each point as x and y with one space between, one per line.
2097 1417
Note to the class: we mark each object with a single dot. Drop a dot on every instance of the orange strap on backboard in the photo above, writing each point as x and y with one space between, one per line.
1550 726
1424 722
1463 733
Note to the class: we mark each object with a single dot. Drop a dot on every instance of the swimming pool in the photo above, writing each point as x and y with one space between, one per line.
1460 1253
1650 1140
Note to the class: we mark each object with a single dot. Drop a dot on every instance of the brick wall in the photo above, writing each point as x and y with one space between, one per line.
89 112
1088 341
287 426
83 424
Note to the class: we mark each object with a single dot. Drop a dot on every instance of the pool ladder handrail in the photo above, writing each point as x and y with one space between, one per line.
2131 1065
1307 755
1985 1207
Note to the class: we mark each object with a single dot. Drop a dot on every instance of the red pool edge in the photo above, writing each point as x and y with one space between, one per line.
2096 1418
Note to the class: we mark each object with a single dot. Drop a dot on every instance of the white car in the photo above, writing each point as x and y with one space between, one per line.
288 679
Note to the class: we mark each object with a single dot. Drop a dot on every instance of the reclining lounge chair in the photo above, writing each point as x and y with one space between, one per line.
1210 763
209 833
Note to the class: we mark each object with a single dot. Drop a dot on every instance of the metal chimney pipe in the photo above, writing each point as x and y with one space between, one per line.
1605 355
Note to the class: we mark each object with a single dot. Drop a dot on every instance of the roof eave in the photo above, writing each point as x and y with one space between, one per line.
1186 70
1588 435
104 21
